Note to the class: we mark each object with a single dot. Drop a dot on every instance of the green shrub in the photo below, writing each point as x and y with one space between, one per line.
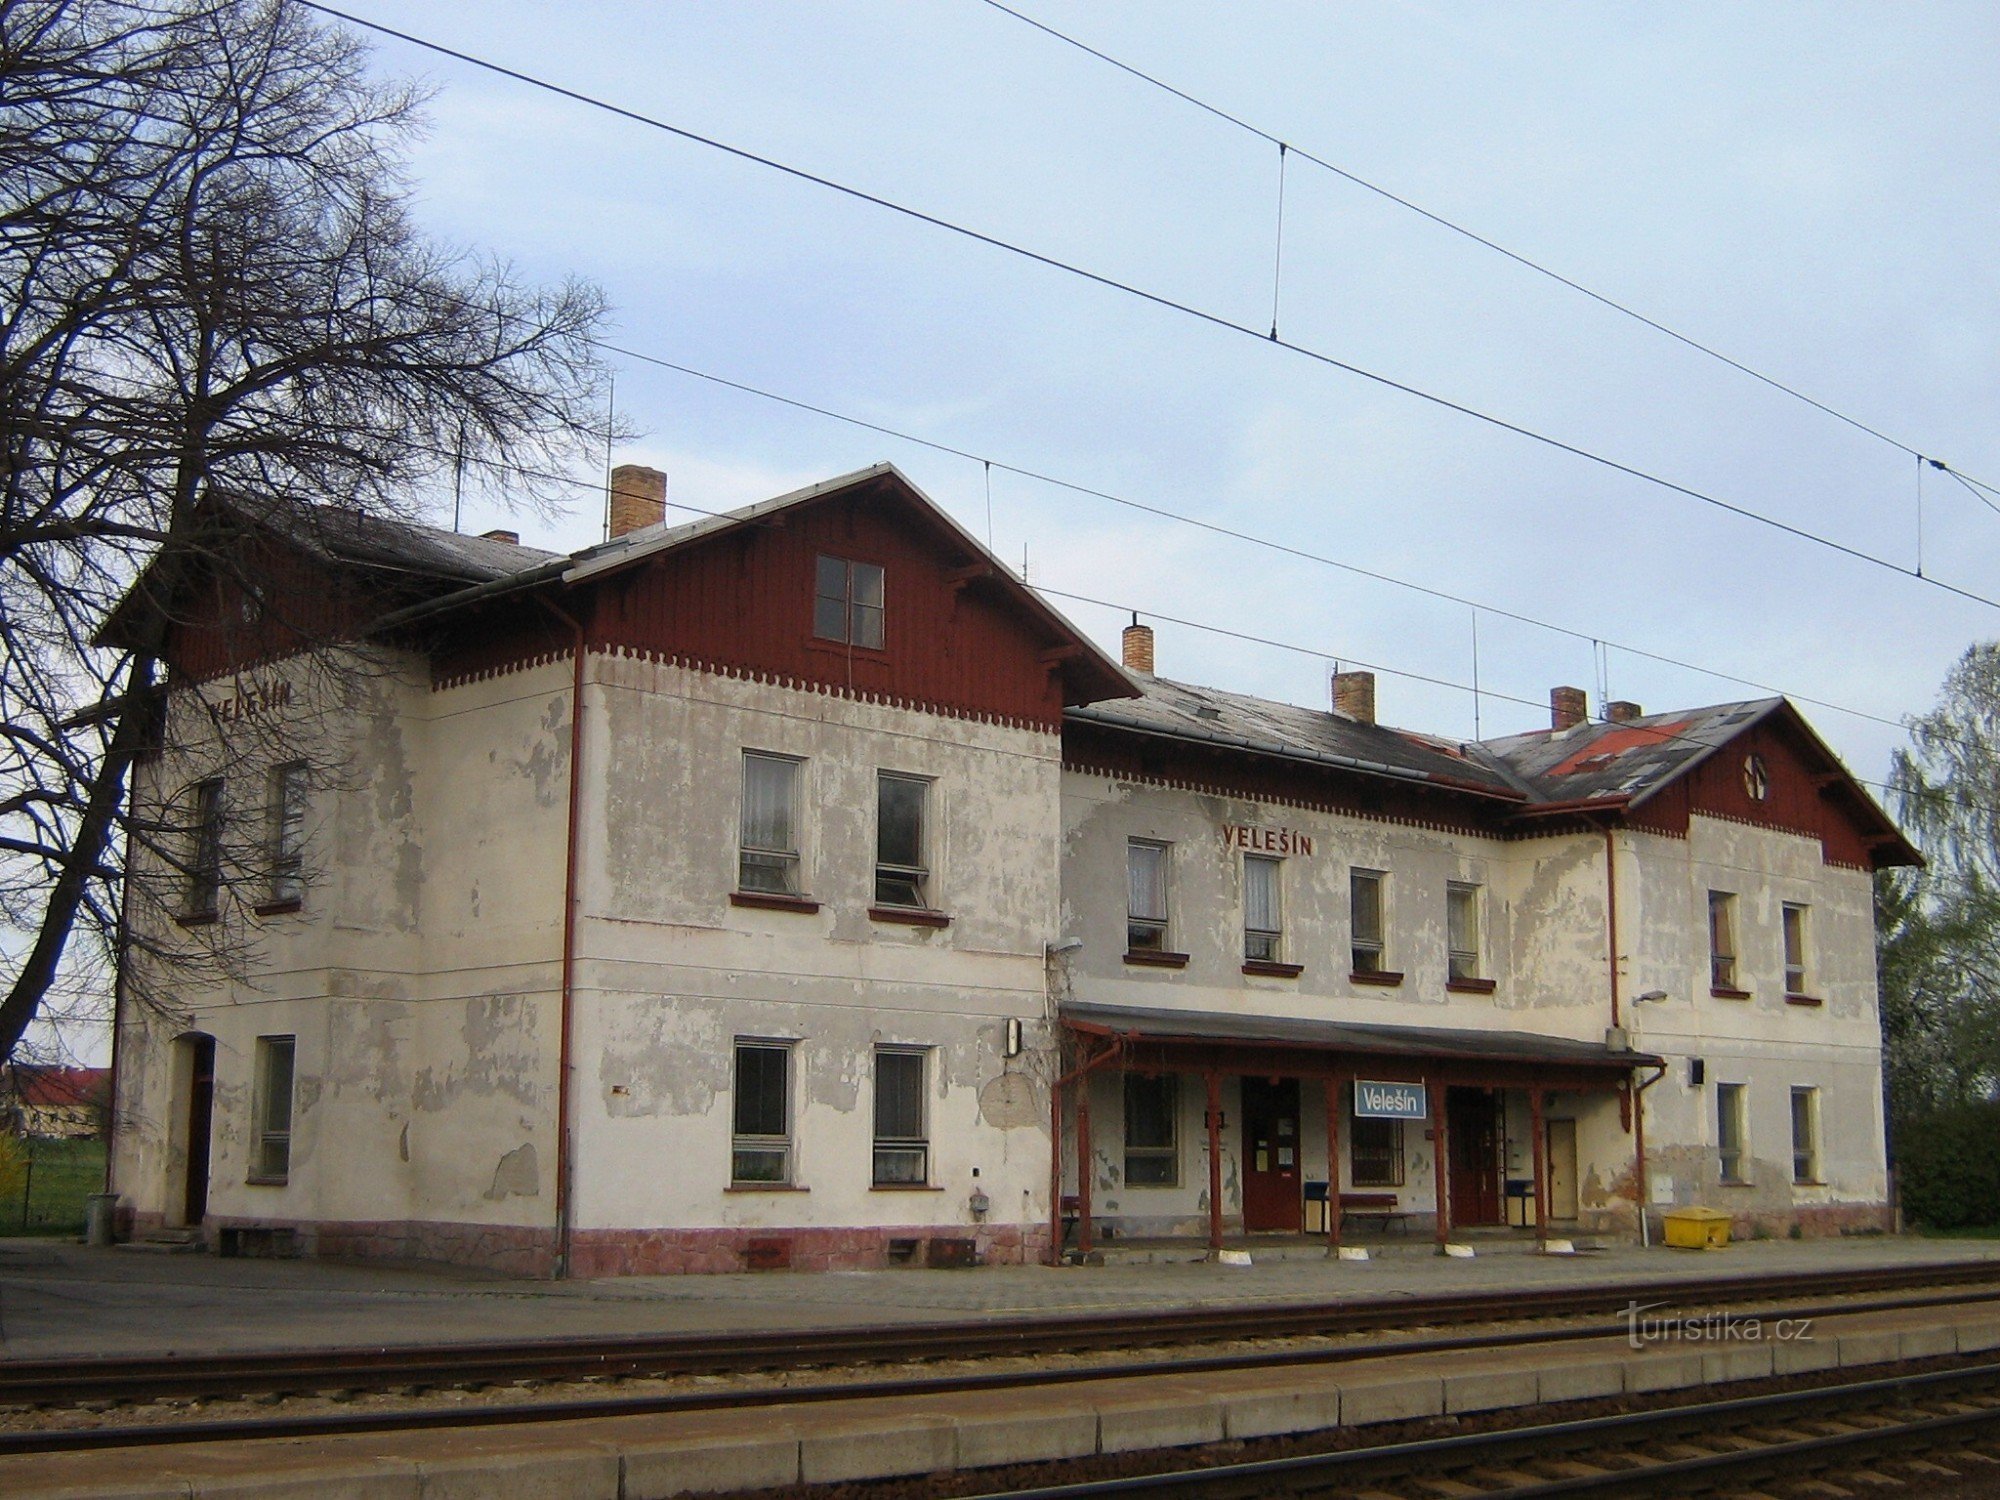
1948 1164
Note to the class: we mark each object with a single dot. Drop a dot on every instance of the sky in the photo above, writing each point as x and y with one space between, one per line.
1813 190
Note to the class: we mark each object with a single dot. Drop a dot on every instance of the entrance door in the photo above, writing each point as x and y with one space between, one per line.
1272 1187
1473 1133
201 1105
1562 1169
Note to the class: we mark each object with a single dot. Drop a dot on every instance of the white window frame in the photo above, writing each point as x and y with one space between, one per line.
1150 1153
1264 944
1723 955
1369 952
1795 936
1806 1150
1732 1117
890 874
285 833
902 1159
272 1091
207 816
787 863
1149 931
1461 961
763 1144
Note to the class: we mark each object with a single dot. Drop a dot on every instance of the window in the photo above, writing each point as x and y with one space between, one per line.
285 828
1263 919
902 1146
1461 909
761 1151
901 878
1729 1130
847 602
768 857
1146 896
1152 1138
204 858
1805 1135
271 1147
1721 940
1375 1156
1795 949
1365 898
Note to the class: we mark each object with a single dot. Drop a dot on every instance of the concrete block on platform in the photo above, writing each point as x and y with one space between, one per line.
1978 1338
876 1448
1736 1361
1662 1368
1928 1343
1874 1348
655 1469
270 1477
1402 1400
1798 1356
1169 1420
1027 1436
1255 1414
1582 1382
522 1474
1488 1390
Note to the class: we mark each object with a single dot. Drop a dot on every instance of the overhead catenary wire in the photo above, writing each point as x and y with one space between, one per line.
1525 261
1157 299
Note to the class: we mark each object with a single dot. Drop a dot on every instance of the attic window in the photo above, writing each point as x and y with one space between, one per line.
847 602
1208 711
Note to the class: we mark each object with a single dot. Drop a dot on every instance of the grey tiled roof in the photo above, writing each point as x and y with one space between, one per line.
430 550
1631 759
1234 720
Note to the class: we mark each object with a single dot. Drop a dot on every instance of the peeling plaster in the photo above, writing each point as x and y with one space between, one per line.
519 1175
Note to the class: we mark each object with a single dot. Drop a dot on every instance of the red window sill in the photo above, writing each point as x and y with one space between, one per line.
904 1187
770 901
1803 1000
1272 969
1386 978
197 918
1471 986
1722 992
909 916
765 1187
1151 959
278 908
267 1181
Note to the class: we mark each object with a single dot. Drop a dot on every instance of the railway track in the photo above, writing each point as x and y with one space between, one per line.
407 1372
1887 1433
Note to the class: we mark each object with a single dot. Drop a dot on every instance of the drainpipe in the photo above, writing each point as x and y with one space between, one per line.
565 1155
1639 1148
1611 913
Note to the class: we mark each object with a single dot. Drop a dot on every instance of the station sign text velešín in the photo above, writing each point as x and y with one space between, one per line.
1389 1101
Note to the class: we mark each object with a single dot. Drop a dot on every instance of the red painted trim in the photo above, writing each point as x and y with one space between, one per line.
1273 970
1803 1000
197 918
278 908
772 901
1722 993
1471 986
1156 959
1386 979
909 916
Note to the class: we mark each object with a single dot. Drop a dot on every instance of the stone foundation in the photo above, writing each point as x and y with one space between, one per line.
672 1252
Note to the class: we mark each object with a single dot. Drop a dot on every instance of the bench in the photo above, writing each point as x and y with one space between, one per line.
1371 1208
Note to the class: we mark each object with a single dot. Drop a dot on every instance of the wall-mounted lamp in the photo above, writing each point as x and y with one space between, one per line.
1064 945
1650 996
1010 1045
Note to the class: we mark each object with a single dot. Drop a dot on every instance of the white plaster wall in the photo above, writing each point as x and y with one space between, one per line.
671 972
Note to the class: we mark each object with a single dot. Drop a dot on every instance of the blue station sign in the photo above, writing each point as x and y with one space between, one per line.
1389 1101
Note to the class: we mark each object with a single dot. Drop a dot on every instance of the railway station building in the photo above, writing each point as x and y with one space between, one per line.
796 888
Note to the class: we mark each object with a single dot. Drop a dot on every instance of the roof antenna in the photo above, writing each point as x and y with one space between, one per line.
1024 562
610 436
458 478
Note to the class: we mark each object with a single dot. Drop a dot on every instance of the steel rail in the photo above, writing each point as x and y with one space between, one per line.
117 1377
1426 1457
323 1424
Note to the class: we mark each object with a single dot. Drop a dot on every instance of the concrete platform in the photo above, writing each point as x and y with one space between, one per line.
59 1299
653 1457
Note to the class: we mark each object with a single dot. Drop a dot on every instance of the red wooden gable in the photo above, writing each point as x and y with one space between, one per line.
1804 790
960 635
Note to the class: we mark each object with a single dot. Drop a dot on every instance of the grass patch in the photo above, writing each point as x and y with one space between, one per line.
51 1181
1961 1232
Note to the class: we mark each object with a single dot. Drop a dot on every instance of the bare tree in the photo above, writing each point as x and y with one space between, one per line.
217 316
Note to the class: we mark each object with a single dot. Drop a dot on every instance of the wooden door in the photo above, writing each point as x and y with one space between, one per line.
1473 1140
201 1106
1273 1185
1562 1169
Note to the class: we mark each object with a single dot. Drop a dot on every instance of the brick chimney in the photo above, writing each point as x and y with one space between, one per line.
501 536
1137 647
1620 711
1568 707
1354 695
638 498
